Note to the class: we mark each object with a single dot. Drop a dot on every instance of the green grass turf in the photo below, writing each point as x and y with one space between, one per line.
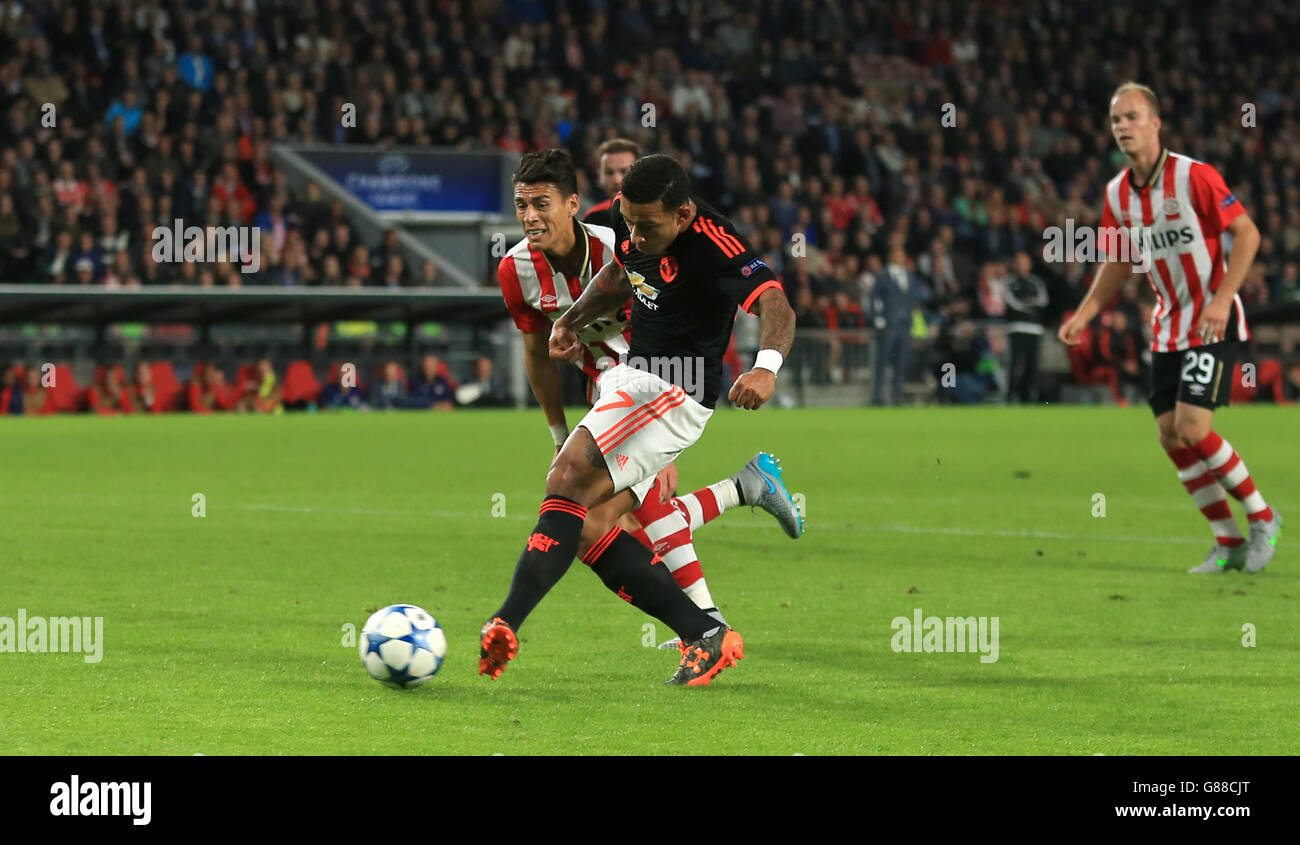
223 634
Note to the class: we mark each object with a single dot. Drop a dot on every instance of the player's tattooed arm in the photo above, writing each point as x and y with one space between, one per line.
775 321
606 293
775 332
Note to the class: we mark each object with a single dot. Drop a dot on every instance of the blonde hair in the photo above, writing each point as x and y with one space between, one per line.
1146 92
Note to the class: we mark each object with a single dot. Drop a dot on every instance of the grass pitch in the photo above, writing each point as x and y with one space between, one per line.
225 634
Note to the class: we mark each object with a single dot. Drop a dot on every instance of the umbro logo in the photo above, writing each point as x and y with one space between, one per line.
621 460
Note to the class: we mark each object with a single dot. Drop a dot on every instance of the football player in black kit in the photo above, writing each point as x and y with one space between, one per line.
687 269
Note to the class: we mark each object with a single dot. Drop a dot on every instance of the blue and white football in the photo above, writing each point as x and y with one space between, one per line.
402 646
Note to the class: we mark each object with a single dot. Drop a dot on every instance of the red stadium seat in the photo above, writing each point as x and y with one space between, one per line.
65 395
164 380
300 383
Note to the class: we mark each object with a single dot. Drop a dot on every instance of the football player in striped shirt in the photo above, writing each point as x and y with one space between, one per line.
1177 209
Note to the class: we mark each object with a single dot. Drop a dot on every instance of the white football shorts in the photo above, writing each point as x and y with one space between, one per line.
641 423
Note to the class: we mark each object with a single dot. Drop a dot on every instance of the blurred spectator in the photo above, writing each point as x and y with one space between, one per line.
208 391
108 394
432 387
36 400
147 396
336 397
1091 359
966 371
428 274
484 390
394 272
1026 313
391 391
15 250
850 325
11 391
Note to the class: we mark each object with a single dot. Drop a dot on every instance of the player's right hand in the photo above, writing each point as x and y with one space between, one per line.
564 343
1070 331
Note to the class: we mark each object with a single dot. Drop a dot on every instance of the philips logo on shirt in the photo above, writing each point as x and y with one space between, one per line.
749 268
1227 201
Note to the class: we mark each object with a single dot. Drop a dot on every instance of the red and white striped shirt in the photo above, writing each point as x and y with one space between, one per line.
1182 213
537 295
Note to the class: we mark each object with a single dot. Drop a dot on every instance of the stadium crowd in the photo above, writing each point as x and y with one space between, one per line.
897 162
155 387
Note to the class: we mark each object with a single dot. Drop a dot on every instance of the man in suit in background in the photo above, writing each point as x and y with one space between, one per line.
895 294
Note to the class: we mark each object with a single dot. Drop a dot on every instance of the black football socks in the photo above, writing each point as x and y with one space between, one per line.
550 550
639 577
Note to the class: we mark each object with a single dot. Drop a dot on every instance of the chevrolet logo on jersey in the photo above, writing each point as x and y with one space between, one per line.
644 292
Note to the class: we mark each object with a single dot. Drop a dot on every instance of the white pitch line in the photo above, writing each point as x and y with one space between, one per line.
896 529
1044 535
377 512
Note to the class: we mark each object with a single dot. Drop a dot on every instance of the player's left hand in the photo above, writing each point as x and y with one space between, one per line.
1214 321
753 388
667 483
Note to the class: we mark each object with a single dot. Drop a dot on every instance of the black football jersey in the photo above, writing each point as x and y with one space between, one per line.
684 300
601 214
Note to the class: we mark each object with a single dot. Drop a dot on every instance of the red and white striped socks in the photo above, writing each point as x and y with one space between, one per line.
708 503
1206 470
664 531
1230 470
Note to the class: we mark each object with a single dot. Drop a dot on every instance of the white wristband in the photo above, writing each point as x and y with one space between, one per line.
768 359
559 433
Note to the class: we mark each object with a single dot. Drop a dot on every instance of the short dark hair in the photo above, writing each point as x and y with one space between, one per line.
552 165
657 178
619 145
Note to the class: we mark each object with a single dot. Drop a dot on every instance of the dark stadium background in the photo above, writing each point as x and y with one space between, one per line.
818 126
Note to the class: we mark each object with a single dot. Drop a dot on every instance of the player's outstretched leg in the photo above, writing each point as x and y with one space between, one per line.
638 576
545 559
758 484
